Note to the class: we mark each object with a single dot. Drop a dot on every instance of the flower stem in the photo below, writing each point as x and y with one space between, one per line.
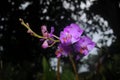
56 37
58 69
28 27
74 67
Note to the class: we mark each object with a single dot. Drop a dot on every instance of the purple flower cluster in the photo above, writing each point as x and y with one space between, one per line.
71 39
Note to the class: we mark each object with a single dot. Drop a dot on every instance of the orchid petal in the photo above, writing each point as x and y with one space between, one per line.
45 44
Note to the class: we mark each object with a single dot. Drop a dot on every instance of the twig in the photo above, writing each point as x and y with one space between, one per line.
28 27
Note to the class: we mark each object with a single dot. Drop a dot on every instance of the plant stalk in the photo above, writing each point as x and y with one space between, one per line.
74 67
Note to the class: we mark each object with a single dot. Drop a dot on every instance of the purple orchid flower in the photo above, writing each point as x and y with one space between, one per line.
84 45
70 34
63 50
71 40
46 35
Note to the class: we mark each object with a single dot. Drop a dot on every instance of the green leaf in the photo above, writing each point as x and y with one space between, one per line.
45 65
48 74
67 75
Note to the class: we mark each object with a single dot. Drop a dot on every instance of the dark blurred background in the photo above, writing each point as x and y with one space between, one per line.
22 54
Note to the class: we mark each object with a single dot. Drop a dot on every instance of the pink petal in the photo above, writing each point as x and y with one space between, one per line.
58 55
44 31
45 44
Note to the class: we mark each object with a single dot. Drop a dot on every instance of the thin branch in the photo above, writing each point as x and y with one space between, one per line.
56 37
28 27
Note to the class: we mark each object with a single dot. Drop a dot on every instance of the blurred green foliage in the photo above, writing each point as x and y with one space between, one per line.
48 73
18 72
108 70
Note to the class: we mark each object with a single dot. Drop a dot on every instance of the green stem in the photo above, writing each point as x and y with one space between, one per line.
28 27
35 34
53 40
52 44
74 67
58 69
56 37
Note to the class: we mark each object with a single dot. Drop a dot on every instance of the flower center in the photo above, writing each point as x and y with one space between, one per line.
59 51
82 49
67 38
